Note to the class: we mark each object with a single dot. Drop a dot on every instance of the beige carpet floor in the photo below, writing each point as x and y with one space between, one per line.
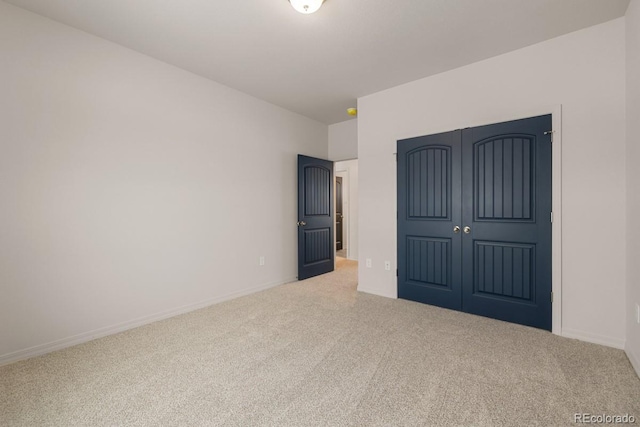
318 353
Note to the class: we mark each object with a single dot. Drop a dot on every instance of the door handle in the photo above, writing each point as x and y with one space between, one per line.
467 230
456 229
301 223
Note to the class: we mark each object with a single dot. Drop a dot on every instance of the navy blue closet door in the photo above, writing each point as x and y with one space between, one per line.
506 190
428 210
474 220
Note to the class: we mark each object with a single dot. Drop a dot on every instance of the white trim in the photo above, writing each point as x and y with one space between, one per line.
556 188
60 344
593 338
344 174
556 228
635 362
376 292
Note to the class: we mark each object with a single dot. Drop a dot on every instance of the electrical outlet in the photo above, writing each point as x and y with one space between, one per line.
387 265
638 313
368 262
262 260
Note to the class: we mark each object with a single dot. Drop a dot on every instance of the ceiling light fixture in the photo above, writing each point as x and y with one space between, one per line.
306 6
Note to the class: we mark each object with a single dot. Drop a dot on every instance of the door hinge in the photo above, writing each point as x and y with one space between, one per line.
551 296
552 217
550 132
396 272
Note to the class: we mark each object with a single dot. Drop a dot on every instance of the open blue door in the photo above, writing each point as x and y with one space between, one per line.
316 248
474 220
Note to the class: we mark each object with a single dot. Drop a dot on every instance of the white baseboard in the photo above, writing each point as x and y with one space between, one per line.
593 338
635 361
376 292
60 344
566 332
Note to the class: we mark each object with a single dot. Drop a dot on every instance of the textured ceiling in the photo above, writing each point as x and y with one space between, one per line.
318 65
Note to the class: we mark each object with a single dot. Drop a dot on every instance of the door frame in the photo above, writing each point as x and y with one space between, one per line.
349 216
340 175
556 188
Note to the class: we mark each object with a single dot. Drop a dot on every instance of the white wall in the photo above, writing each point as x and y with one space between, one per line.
585 72
343 140
633 181
130 189
349 171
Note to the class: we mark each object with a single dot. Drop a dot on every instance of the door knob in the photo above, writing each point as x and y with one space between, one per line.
467 230
301 223
456 229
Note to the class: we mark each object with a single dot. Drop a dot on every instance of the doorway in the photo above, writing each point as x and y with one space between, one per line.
346 172
474 220
318 216
339 217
